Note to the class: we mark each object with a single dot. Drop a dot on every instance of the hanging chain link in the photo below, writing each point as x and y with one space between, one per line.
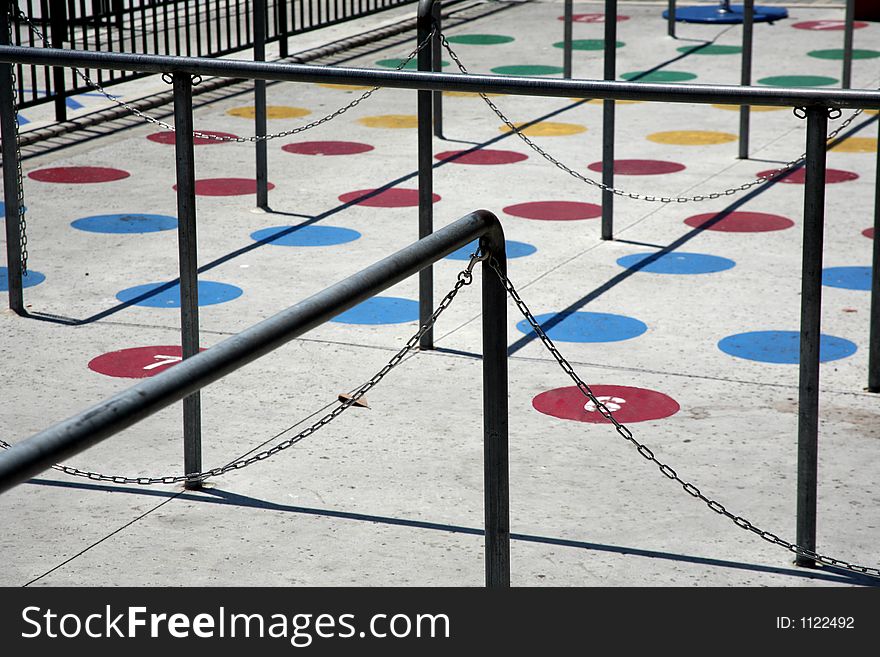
778 173
22 220
222 138
646 452
465 277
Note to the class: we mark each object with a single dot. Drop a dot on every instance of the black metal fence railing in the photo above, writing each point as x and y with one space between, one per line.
184 381
815 104
190 28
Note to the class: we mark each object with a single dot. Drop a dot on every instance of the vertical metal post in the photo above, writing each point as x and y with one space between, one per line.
566 41
846 78
811 312
670 19
426 172
436 66
9 132
260 127
608 121
189 285
57 36
282 28
118 9
746 75
874 339
495 432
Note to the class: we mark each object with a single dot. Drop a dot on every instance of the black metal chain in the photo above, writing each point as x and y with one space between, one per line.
221 138
465 277
22 221
773 175
648 454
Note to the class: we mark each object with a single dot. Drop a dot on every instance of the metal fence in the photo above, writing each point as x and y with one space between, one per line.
183 382
190 28
816 105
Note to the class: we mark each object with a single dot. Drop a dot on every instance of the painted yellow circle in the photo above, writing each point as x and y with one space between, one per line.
599 101
272 112
390 121
857 145
344 87
691 137
549 129
754 108
467 94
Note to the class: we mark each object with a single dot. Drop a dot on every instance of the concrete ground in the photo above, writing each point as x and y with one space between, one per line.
392 495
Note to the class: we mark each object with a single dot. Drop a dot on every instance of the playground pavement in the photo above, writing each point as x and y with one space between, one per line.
695 353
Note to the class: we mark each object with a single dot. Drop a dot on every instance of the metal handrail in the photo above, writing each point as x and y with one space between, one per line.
505 84
181 26
76 434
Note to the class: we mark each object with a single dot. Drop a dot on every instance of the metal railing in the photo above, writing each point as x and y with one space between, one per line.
816 104
610 73
201 28
183 381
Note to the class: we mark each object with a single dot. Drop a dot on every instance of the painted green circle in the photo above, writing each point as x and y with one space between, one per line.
527 69
837 53
659 76
798 81
711 50
588 44
412 65
480 39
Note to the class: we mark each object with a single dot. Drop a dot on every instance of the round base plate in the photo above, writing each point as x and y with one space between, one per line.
735 15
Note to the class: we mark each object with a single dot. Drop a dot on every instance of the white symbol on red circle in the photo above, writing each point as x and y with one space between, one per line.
610 402
627 404
828 24
161 361
137 362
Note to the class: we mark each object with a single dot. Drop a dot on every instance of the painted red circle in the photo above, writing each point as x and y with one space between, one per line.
136 362
396 197
482 156
640 167
327 148
169 137
592 18
798 176
868 232
227 186
827 25
626 404
555 210
740 222
78 175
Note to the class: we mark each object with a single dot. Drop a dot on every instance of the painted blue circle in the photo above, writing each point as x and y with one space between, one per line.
32 278
714 14
305 236
3 210
782 346
676 263
586 327
126 223
381 310
850 278
514 250
210 293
